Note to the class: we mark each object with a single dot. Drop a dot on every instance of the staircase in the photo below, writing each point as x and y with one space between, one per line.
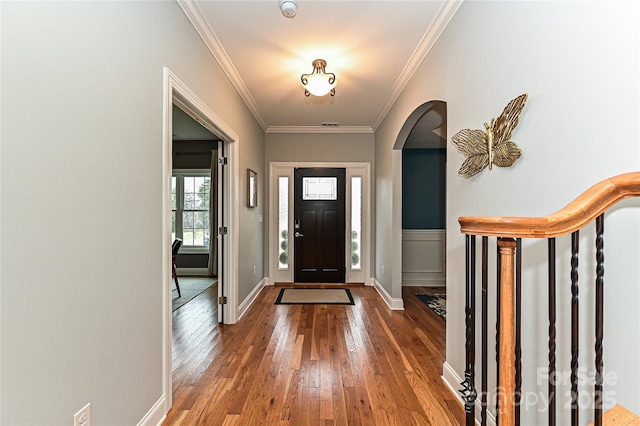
509 231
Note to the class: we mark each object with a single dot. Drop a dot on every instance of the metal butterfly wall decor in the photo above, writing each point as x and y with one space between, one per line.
491 146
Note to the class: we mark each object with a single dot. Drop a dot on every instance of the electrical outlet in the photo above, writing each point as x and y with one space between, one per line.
382 269
254 269
83 417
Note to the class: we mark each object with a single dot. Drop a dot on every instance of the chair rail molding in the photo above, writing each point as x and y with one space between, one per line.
423 257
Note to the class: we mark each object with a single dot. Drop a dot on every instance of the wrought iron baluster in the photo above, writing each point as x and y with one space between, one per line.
485 328
518 291
597 395
575 245
499 290
468 390
552 331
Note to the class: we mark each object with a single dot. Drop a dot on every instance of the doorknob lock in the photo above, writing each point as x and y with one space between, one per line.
297 234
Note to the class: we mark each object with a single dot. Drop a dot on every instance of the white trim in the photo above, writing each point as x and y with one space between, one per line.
195 16
155 416
275 172
395 304
282 169
452 380
361 274
246 303
179 175
444 15
320 129
422 247
192 105
176 92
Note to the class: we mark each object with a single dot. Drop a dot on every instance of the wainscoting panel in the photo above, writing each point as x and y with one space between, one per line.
423 257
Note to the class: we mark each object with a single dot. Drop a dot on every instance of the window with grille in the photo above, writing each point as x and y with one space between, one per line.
190 196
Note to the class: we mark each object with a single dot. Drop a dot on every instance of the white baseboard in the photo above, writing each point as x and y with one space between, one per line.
155 416
395 304
453 380
246 303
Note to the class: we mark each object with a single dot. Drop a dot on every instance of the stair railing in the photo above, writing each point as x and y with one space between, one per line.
588 207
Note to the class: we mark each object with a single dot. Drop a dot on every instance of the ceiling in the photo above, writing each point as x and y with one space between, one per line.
373 47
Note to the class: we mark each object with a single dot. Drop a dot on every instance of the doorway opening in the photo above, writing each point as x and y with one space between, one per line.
196 194
179 98
423 205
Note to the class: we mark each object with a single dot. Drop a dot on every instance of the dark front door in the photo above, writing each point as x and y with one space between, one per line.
319 225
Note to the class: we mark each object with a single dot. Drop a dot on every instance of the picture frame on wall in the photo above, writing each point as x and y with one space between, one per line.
252 189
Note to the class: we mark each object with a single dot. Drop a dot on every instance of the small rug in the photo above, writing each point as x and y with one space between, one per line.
190 287
314 296
436 302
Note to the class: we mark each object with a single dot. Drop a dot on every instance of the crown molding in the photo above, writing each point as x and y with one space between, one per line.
194 14
446 12
319 129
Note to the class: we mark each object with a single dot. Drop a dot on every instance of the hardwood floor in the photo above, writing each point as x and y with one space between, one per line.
356 364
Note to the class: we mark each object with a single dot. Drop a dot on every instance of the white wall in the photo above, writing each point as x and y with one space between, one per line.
81 218
579 63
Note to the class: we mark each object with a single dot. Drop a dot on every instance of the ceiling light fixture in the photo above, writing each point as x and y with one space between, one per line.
288 7
319 82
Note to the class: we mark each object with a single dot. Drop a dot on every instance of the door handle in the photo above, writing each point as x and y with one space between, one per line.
298 235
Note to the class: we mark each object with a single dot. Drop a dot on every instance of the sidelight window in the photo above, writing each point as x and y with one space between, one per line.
283 222
356 222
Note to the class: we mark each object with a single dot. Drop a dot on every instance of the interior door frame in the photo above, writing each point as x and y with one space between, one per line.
353 169
176 92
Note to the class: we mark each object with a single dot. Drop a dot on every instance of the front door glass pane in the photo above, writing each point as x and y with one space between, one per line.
319 188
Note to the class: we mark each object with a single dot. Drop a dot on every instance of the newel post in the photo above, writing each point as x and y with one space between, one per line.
506 378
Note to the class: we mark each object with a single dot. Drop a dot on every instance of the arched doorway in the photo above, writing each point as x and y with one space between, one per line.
423 144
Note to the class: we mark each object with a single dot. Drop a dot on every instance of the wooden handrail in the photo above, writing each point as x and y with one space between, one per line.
580 212
587 208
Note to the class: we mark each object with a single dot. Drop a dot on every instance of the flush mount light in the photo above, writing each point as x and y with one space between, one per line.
288 7
319 82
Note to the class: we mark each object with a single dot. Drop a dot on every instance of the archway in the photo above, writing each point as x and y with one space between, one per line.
422 140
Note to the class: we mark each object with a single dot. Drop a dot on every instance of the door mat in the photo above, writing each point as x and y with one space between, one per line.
436 302
314 296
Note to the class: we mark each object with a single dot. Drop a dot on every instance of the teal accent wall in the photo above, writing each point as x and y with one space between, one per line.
423 188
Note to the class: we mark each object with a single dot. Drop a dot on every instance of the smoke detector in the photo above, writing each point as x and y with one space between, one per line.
288 7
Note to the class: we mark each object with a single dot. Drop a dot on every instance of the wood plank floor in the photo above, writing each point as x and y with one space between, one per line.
356 364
